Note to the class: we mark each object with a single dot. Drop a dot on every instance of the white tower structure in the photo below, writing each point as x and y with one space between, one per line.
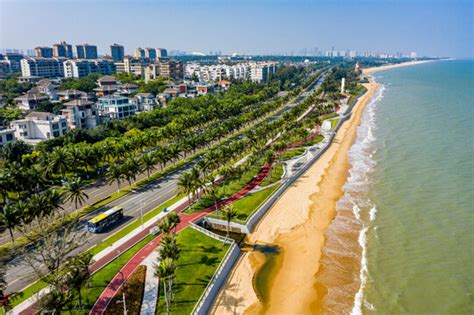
343 83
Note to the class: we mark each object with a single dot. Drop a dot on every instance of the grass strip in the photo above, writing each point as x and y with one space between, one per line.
276 172
246 206
315 140
200 256
287 155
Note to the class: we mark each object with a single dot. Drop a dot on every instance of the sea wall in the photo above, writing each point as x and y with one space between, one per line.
257 215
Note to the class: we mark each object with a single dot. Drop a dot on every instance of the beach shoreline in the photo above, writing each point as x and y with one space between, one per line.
371 70
299 233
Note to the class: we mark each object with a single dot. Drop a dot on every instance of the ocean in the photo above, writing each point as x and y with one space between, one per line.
403 238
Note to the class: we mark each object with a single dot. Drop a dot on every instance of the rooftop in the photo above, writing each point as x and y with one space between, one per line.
107 78
41 116
79 102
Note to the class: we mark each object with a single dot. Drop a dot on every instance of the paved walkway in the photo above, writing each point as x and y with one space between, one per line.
152 283
186 219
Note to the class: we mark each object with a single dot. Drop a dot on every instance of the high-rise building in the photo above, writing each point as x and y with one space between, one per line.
86 51
117 52
150 53
161 52
46 52
42 67
62 49
13 61
413 55
139 53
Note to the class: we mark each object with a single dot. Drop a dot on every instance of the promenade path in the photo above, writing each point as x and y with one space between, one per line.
186 219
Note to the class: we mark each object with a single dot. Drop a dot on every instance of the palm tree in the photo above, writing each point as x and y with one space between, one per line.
130 169
114 174
165 271
59 161
213 192
74 191
78 273
174 220
186 185
54 200
165 225
9 218
229 214
148 162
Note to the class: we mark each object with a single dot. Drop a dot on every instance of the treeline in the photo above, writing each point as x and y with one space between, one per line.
332 83
190 125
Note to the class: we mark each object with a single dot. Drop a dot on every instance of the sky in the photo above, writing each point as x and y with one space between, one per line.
428 27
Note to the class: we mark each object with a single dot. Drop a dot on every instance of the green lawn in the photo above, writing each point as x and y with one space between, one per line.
328 116
276 172
247 205
315 140
334 123
291 154
200 255
226 189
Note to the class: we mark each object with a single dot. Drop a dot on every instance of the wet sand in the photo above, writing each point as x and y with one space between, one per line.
296 224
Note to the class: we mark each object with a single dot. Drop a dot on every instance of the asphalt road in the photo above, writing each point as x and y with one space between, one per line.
149 197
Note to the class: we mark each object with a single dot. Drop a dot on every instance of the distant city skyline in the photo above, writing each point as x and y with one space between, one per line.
430 28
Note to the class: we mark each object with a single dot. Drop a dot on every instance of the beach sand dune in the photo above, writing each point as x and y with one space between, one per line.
296 224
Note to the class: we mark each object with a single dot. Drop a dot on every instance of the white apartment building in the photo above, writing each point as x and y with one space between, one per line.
42 67
116 107
39 126
80 114
241 71
129 65
261 71
82 67
6 136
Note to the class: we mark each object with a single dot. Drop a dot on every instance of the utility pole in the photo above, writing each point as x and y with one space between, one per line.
141 207
124 304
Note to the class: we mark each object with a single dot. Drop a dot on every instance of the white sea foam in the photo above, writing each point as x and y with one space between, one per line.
361 158
373 214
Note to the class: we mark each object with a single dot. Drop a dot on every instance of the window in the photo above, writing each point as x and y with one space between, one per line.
55 126
9 137
56 133
63 124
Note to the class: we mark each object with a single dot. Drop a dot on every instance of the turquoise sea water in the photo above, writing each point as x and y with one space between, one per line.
418 159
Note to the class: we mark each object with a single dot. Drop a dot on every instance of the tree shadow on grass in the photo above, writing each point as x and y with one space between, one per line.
208 261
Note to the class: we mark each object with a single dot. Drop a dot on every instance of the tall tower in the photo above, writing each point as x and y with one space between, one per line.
343 83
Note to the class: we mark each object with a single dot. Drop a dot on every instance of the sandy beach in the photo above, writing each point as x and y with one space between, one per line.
393 66
296 224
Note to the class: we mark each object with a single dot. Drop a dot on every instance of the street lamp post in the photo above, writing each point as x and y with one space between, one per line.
141 208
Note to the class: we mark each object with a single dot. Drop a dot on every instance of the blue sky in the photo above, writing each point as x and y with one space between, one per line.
436 27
